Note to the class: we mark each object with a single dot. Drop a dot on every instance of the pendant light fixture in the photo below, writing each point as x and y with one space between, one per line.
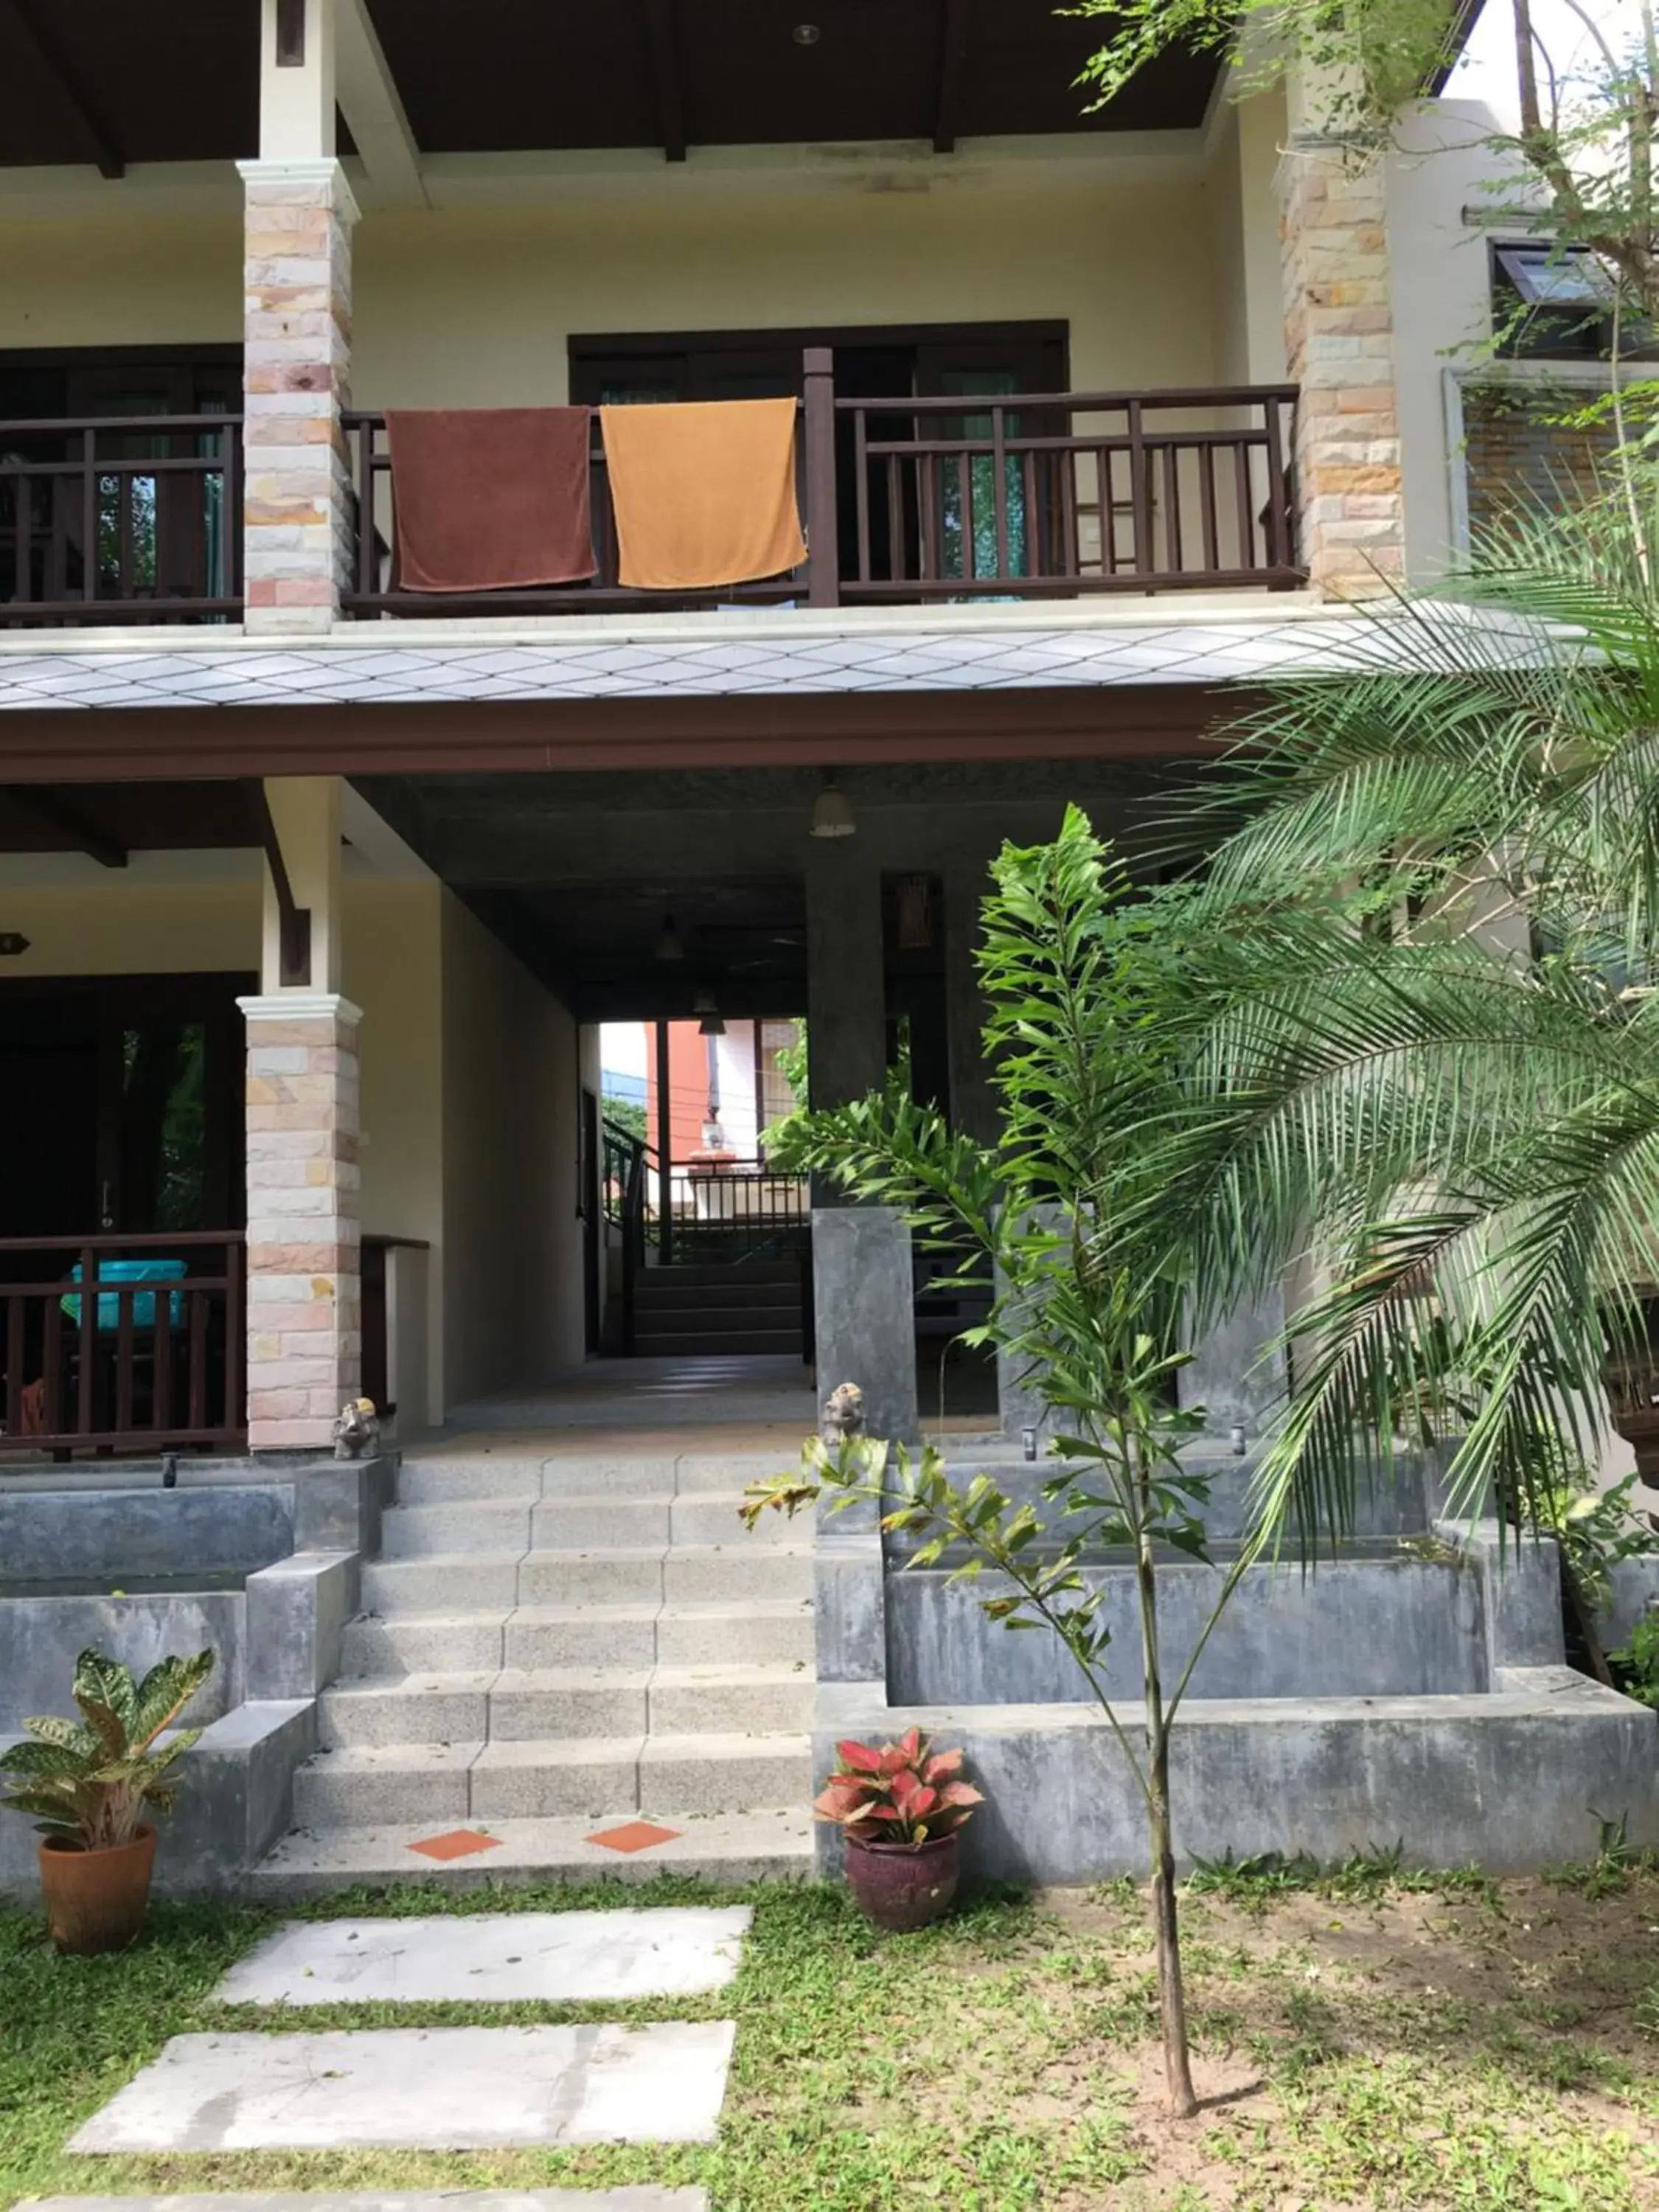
832 812
669 947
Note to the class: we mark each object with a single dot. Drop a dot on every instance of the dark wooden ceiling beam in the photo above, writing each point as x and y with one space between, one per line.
54 745
100 143
659 32
60 818
952 65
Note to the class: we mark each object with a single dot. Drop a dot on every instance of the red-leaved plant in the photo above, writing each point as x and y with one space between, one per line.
902 1794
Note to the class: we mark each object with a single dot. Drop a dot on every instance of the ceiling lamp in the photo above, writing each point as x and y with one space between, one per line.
806 35
832 812
709 1024
669 947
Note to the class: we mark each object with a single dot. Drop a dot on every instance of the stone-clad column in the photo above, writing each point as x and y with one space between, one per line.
1338 348
297 516
304 1328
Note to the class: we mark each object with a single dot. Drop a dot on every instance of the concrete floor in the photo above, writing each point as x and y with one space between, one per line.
748 1403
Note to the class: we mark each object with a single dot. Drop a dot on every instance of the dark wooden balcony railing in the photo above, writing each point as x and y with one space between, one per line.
120 518
958 497
91 1363
969 496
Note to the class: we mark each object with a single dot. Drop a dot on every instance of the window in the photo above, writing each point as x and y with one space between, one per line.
1552 302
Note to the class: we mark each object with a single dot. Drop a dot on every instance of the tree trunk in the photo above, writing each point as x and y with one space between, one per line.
1171 1993
1171 1990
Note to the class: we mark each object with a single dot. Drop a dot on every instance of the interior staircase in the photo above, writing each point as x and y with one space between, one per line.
729 1308
549 1649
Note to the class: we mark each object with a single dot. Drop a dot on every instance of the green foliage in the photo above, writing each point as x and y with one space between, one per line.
1464 1139
1594 1529
93 1783
1363 1878
1586 132
627 1114
1383 51
1489 2061
1616 1860
1638 1661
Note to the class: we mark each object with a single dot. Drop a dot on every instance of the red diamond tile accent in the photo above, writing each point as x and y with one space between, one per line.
634 1836
455 1843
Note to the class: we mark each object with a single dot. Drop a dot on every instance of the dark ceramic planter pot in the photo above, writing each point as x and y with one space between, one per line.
97 1900
902 1886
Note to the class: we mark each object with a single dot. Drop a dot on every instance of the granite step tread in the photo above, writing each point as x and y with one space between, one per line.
764 1842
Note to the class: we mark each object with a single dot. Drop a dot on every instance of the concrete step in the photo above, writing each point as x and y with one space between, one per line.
457 1583
477 1524
546 1780
581 1636
737 1573
738 1632
360 1785
730 1700
735 1290
441 1785
758 1631
677 1343
728 1471
425 1644
436 1480
690 1310
461 1582
712 1273
573 1523
761 1631
530 1704
405 1709
725 1773
569 1522
750 1846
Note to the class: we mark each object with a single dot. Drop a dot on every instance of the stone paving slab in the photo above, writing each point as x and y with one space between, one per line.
445 2088
644 2199
502 1958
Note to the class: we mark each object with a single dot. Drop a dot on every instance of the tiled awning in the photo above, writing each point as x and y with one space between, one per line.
712 657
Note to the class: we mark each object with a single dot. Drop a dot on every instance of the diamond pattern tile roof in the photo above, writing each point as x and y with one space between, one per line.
777 654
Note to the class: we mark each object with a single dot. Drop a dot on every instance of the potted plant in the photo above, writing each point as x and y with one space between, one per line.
89 1784
900 1809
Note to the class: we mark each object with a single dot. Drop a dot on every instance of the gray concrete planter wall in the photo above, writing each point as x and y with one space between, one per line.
213 1563
1511 1781
1396 1626
1412 1692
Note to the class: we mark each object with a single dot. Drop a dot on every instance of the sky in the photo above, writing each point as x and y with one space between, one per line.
1487 70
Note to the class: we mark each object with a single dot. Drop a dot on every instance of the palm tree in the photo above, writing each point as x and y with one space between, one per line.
1420 1044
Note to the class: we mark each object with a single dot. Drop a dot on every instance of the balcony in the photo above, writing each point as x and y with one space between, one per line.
120 518
906 501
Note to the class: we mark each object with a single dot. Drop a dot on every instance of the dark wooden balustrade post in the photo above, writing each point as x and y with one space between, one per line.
818 430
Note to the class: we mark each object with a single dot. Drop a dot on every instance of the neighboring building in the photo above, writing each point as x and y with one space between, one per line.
316 888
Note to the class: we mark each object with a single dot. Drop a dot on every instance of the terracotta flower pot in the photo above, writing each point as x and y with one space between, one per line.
902 1886
96 1900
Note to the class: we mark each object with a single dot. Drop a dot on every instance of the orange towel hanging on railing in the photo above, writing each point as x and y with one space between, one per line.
703 492
490 499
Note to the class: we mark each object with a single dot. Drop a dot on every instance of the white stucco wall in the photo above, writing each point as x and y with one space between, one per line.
473 304
468 1069
1441 300
513 1273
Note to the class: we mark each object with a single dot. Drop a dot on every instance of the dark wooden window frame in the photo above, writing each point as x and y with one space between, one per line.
588 352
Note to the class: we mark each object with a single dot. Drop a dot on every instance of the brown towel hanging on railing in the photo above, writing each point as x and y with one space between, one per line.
490 499
703 492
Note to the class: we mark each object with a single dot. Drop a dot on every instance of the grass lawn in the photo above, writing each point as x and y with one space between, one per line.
1362 2040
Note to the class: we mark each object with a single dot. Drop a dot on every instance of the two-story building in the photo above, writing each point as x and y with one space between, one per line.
339 804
